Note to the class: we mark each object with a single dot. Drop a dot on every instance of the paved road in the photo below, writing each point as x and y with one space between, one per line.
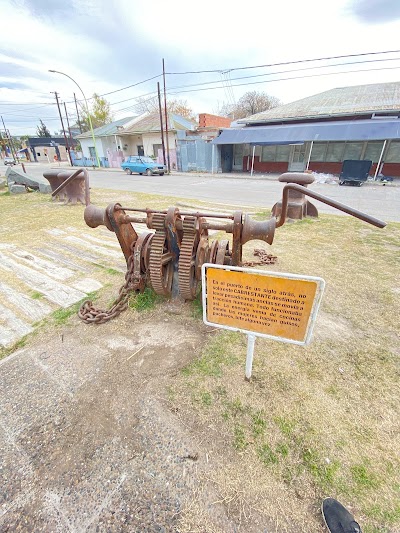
376 200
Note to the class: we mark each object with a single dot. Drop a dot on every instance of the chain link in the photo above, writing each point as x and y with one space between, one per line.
265 258
91 315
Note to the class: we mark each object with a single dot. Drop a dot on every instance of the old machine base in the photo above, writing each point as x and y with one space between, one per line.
169 255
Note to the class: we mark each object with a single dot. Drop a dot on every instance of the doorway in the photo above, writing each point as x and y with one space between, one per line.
140 149
297 160
226 157
238 156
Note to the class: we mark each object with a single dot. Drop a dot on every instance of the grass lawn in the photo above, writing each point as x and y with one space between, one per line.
315 421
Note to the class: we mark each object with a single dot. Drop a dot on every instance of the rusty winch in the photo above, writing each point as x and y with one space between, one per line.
169 256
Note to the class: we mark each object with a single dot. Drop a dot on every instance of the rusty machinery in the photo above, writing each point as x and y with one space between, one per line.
168 257
69 186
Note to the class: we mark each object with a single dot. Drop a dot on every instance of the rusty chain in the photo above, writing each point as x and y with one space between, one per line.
91 315
265 258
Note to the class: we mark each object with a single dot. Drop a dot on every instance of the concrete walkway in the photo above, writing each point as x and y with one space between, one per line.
87 441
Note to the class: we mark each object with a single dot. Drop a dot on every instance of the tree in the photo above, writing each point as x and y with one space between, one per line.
250 103
177 107
42 130
100 113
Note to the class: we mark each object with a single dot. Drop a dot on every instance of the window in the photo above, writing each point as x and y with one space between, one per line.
92 151
268 153
282 152
393 155
353 150
38 154
334 152
373 151
156 147
318 151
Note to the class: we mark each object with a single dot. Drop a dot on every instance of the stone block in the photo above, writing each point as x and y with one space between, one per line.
20 178
17 189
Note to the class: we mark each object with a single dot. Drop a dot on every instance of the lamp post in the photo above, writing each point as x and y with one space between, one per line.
87 111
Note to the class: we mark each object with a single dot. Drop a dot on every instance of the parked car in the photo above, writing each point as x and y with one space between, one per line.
9 161
142 165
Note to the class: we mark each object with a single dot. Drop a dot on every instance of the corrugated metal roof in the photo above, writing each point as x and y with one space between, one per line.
335 102
342 130
108 129
151 123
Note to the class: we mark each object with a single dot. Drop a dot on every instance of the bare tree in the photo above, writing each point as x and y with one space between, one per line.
178 107
250 103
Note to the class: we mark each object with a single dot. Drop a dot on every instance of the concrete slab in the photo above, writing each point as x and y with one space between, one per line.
12 328
53 290
87 285
49 267
37 182
93 247
34 309
62 259
30 396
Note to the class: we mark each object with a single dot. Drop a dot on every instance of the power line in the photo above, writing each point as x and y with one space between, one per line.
286 71
291 78
285 63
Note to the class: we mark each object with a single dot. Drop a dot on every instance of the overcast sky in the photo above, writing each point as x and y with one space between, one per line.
107 45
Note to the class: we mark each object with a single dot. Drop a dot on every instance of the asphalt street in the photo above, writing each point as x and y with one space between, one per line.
375 199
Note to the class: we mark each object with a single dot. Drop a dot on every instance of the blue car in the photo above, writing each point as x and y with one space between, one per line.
142 165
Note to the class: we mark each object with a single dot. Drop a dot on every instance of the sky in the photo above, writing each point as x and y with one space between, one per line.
109 45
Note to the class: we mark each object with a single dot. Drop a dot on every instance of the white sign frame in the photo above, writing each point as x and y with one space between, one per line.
251 335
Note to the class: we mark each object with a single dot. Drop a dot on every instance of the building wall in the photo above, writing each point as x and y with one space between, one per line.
86 143
51 152
206 120
198 155
150 139
264 166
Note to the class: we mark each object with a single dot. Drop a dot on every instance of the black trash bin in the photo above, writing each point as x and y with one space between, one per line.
354 172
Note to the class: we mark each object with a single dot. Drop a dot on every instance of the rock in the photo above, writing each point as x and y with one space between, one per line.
3 182
17 189
38 184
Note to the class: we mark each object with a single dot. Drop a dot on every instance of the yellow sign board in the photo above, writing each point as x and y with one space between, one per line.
280 306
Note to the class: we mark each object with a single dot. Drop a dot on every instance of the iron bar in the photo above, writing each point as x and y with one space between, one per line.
328 201
185 213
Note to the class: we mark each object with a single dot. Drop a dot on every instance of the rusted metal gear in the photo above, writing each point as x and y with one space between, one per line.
140 268
192 236
223 254
202 255
160 264
213 252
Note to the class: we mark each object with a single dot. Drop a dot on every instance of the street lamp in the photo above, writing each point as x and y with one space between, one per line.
87 111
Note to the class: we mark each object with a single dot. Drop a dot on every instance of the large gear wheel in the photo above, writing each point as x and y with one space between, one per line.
161 264
222 257
188 266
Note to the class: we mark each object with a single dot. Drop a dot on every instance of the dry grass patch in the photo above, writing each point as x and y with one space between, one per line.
315 421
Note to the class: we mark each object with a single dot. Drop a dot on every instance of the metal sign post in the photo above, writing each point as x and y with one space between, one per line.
251 340
258 303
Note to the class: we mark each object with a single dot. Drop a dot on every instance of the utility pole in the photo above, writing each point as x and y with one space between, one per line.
62 125
10 141
69 129
166 120
77 114
161 122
